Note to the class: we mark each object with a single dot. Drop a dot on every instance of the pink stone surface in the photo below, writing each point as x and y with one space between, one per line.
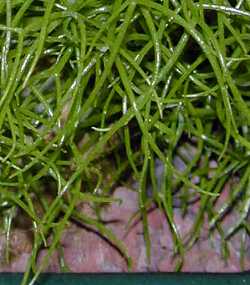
86 251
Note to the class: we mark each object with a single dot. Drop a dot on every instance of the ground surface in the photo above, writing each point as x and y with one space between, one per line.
86 251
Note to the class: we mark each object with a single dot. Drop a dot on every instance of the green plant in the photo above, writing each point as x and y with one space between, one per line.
94 87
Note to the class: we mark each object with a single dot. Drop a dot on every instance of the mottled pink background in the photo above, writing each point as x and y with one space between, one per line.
86 251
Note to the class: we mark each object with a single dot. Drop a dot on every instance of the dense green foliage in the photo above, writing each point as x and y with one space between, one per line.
93 92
